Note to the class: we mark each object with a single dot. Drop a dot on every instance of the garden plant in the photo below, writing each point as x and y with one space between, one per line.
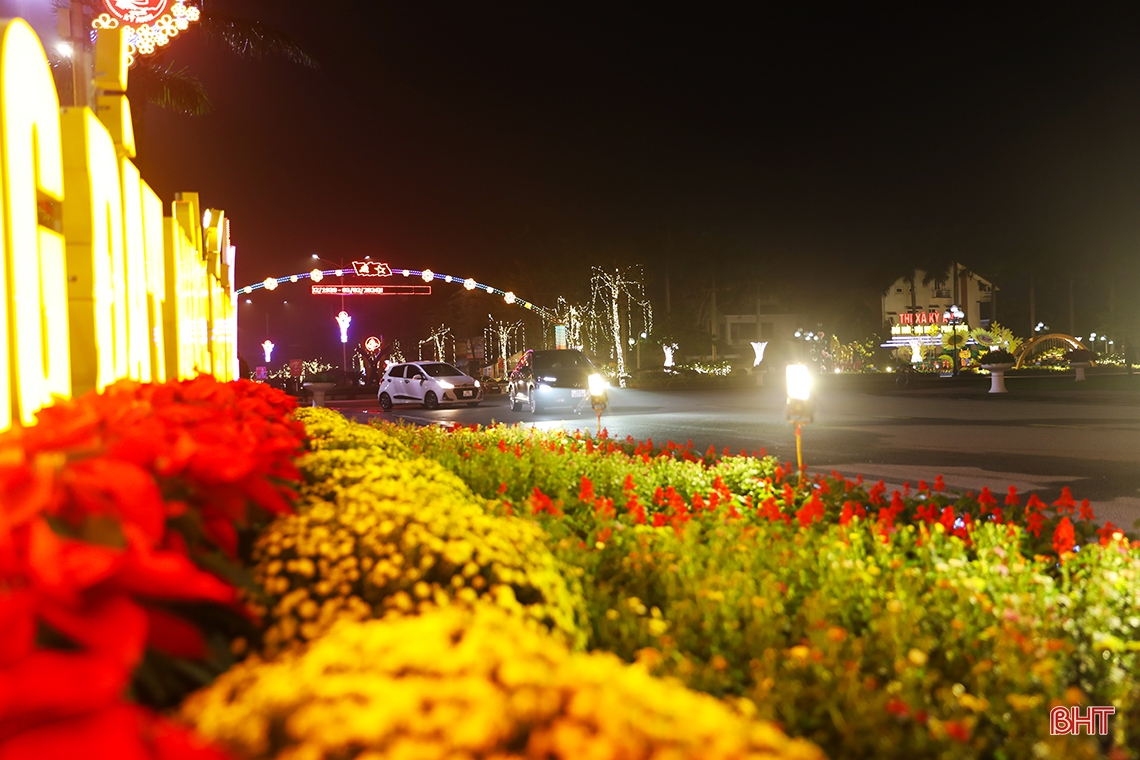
333 590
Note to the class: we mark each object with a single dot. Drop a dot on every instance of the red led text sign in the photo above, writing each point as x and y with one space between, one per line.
372 290
922 318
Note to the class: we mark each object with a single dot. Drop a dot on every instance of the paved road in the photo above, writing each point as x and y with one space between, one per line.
1037 440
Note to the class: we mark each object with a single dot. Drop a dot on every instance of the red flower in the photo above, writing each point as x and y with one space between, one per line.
896 706
811 511
1063 537
586 490
939 485
1012 499
957 730
1086 512
1066 501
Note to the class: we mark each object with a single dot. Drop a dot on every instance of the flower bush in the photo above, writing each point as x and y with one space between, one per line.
916 624
584 479
120 517
377 536
472 684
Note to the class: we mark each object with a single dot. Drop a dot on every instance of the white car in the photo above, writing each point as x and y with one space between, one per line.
429 384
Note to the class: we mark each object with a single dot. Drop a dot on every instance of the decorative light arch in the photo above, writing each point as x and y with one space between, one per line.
1052 340
427 275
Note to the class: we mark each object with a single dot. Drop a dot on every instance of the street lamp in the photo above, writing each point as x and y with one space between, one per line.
954 317
800 408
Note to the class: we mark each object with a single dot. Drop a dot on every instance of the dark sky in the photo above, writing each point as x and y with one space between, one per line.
522 142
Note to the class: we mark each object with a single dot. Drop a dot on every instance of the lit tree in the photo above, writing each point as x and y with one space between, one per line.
609 289
438 340
503 338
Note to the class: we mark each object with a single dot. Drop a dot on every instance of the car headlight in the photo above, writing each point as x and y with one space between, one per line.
477 384
548 379
597 385
445 384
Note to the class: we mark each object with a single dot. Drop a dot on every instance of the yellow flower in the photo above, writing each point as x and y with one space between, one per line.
917 657
468 683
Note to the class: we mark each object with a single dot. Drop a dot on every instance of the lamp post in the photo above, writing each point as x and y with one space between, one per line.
800 408
954 317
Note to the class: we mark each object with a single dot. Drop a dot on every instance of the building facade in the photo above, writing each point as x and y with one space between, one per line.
974 295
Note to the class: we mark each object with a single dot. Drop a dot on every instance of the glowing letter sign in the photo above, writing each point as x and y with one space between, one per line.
33 310
94 284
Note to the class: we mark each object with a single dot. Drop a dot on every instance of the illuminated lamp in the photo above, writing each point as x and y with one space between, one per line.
509 297
270 283
293 278
447 279
316 275
469 284
344 321
428 275
800 408
758 348
267 347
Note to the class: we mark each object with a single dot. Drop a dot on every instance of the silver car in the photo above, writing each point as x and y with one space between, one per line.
429 384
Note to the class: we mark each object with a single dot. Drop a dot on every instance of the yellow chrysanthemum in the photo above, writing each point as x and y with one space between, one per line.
468 683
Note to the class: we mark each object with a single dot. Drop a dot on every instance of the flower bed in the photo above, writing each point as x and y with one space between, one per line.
902 625
121 517
426 593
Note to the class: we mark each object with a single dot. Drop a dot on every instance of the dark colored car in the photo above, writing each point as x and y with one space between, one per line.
558 377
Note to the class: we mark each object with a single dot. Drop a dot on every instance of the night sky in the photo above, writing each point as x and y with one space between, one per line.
817 150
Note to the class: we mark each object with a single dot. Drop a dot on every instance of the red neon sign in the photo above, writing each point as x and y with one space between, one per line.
371 269
372 290
921 318
136 12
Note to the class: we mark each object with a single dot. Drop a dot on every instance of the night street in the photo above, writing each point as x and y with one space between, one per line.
1035 440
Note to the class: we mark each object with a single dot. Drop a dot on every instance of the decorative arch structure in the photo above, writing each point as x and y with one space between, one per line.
427 275
1043 342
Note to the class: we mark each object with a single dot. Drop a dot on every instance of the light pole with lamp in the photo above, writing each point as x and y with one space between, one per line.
954 317
800 408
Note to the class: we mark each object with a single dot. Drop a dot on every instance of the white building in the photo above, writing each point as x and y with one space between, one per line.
974 295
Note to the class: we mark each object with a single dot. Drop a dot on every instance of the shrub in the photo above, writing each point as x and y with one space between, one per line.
1080 355
473 684
998 356
914 646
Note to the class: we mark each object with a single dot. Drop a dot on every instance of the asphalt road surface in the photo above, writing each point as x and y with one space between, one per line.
1039 440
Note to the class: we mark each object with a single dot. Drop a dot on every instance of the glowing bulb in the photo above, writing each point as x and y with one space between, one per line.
64 49
509 297
428 275
799 382
267 347
293 278
317 275
270 283
469 284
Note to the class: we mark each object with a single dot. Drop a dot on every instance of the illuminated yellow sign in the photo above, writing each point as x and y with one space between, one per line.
95 284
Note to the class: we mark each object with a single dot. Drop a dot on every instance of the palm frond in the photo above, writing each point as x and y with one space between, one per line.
253 39
170 88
